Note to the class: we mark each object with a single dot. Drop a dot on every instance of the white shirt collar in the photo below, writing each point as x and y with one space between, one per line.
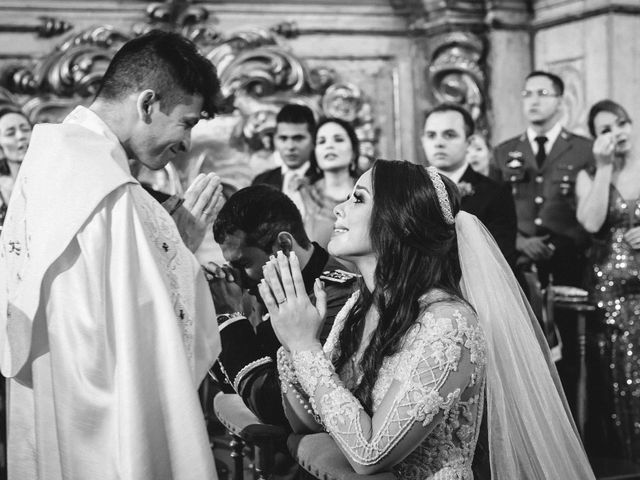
551 134
456 175
300 171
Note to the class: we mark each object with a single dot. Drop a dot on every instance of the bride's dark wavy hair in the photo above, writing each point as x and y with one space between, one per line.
416 251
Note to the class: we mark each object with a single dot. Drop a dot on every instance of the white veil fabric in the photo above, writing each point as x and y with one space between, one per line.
532 435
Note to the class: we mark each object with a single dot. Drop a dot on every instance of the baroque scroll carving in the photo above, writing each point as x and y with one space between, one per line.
258 73
456 75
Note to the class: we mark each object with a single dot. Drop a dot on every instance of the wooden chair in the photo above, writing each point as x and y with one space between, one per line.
247 431
319 455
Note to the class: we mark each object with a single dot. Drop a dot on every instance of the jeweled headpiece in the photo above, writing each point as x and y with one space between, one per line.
443 197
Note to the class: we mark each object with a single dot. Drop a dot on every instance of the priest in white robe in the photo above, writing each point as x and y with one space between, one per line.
107 324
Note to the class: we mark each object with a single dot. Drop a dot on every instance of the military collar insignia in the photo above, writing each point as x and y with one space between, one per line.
338 276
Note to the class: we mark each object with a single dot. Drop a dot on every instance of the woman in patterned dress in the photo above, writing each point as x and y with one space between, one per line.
401 381
609 208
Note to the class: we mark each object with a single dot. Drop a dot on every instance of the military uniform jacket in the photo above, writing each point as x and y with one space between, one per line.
545 197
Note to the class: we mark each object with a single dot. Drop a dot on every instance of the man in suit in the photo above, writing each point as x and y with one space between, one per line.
445 140
541 166
257 222
293 142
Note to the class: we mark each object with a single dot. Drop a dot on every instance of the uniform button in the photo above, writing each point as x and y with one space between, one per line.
538 221
539 179
538 200
565 178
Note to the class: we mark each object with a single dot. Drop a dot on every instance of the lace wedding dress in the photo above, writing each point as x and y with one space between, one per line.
427 400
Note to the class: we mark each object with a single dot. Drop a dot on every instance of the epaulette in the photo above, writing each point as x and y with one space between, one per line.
339 277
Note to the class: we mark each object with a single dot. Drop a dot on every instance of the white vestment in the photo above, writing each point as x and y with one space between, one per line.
107 326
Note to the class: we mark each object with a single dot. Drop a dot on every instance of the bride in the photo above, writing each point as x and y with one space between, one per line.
437 324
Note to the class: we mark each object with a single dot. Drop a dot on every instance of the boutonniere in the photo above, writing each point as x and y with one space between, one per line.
465 189
515 160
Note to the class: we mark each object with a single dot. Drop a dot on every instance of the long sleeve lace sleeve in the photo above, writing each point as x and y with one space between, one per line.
440 366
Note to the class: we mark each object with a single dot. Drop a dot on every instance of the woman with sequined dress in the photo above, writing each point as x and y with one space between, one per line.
609 208
438 322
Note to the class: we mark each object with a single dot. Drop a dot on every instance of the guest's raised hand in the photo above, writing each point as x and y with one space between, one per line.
202 202
632 237
604 149
295 320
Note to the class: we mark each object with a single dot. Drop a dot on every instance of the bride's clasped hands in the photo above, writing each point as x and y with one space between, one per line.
295 319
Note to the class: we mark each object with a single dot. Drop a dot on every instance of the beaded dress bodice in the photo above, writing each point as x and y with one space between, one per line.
429 394
616 264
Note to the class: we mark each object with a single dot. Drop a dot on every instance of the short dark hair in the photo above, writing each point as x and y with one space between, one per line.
294 113
469 124
353 139
557 82
606 106
261 212
165 62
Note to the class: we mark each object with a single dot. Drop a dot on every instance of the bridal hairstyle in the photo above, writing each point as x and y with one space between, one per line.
416 250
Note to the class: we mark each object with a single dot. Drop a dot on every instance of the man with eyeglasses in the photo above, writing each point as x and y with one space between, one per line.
541 165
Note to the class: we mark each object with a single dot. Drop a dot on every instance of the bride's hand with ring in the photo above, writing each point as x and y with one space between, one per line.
295 320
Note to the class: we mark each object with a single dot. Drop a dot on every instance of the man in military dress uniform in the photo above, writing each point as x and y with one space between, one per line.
257 222
541 166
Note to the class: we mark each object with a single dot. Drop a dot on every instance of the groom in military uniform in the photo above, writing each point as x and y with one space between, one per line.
255 223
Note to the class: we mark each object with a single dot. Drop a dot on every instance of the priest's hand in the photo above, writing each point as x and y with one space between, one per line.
202 203
295 320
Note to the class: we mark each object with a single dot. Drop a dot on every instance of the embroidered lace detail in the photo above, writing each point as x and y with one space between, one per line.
436 381
312 369
170 252
338 323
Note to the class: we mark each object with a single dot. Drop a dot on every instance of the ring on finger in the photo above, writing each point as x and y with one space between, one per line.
280 302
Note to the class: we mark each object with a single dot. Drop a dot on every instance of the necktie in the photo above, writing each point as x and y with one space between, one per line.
290 187
541 156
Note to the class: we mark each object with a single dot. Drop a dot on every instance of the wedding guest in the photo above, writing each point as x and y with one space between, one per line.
293 142
480 158
336 153
401 379
541 165
15 133
448 129
609 208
